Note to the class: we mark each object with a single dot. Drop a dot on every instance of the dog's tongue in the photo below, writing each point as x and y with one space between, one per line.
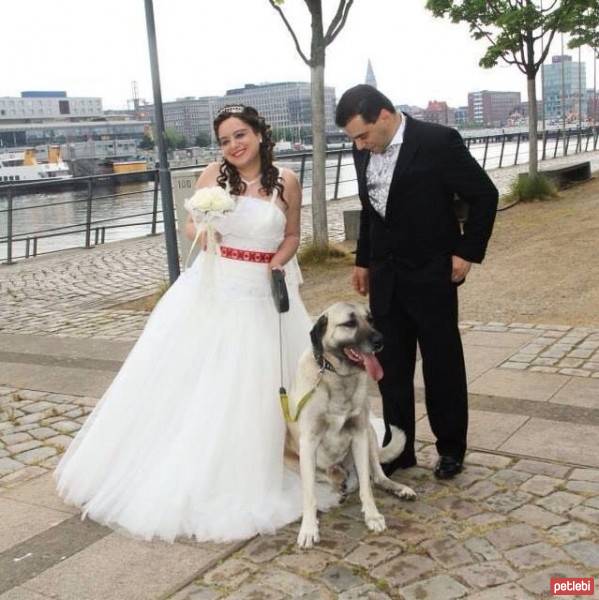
373 366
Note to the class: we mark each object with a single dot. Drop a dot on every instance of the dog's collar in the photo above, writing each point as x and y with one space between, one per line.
325 365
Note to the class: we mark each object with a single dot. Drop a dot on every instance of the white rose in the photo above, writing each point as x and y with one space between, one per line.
210 200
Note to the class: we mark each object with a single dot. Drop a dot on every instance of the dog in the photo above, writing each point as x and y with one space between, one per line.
333 432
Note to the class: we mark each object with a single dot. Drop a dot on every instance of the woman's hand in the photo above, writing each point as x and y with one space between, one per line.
275 265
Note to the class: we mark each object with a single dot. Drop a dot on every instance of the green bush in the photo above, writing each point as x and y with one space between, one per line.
526 188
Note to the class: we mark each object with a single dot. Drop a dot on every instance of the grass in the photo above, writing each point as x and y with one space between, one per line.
162 288
313 255
526 188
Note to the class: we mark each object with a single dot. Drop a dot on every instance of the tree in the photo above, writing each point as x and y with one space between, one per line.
514 29
586 33
316 62
203 139
586 29
146 143
174 139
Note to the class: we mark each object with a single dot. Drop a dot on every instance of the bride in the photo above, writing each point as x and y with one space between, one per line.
189 438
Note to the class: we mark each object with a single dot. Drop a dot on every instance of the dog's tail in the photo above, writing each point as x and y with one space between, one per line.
395 446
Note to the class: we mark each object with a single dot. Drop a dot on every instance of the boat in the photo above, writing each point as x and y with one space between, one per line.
129 166
22 165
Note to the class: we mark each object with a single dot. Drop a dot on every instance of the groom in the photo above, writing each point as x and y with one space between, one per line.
412 255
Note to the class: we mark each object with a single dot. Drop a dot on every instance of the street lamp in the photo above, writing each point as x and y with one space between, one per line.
166 192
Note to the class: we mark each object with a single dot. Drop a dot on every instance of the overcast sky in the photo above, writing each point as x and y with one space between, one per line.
208 46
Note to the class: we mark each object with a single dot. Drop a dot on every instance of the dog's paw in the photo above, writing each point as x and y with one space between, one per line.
308 536
405 493
375 522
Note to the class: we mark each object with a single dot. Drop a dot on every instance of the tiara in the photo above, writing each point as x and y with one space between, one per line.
233 108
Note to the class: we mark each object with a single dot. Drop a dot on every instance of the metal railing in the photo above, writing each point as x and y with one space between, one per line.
492 151
29 240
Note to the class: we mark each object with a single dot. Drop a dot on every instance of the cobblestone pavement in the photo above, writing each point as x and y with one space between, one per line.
35 428
499 530
71 293
556 349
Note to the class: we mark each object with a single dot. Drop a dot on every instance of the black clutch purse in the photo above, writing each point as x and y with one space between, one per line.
279 290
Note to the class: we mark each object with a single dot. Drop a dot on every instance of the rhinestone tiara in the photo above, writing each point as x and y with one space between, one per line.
233 108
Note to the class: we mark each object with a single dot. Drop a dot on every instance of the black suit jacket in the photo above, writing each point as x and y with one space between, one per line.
420 230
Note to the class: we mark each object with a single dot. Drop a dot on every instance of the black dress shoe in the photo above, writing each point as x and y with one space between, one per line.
402 462
448 467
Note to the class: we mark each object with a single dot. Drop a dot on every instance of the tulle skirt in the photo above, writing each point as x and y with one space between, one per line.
189 438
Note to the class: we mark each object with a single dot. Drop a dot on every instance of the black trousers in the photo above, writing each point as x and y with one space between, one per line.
424 310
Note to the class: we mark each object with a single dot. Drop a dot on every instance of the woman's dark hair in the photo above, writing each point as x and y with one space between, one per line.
269 178
363 100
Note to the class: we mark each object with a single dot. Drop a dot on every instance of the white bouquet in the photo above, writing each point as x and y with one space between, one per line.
206 206
209 202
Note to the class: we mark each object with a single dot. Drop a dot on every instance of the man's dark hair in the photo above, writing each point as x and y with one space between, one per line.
363 100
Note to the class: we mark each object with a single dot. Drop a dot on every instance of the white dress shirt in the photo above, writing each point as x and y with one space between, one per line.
380 170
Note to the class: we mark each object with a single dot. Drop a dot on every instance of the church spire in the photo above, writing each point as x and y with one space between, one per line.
370 78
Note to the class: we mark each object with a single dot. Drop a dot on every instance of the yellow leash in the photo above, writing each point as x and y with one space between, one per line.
300 406
283 397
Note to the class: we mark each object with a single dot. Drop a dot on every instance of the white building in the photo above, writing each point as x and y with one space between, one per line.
286 106
43 106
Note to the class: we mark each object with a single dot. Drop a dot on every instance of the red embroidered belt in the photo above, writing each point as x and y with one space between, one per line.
246 255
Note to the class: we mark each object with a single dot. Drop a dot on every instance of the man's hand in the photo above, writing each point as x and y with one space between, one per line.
359 280
460 268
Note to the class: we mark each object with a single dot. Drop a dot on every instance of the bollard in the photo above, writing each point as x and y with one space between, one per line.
351 224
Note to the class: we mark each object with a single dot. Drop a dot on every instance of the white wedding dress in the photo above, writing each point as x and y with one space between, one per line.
188 440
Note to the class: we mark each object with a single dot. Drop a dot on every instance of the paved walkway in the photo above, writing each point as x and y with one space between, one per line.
525 509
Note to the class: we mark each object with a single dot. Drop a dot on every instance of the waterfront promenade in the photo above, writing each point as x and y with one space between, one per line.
525 509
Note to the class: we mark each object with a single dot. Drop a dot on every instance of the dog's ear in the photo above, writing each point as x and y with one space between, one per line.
316 336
